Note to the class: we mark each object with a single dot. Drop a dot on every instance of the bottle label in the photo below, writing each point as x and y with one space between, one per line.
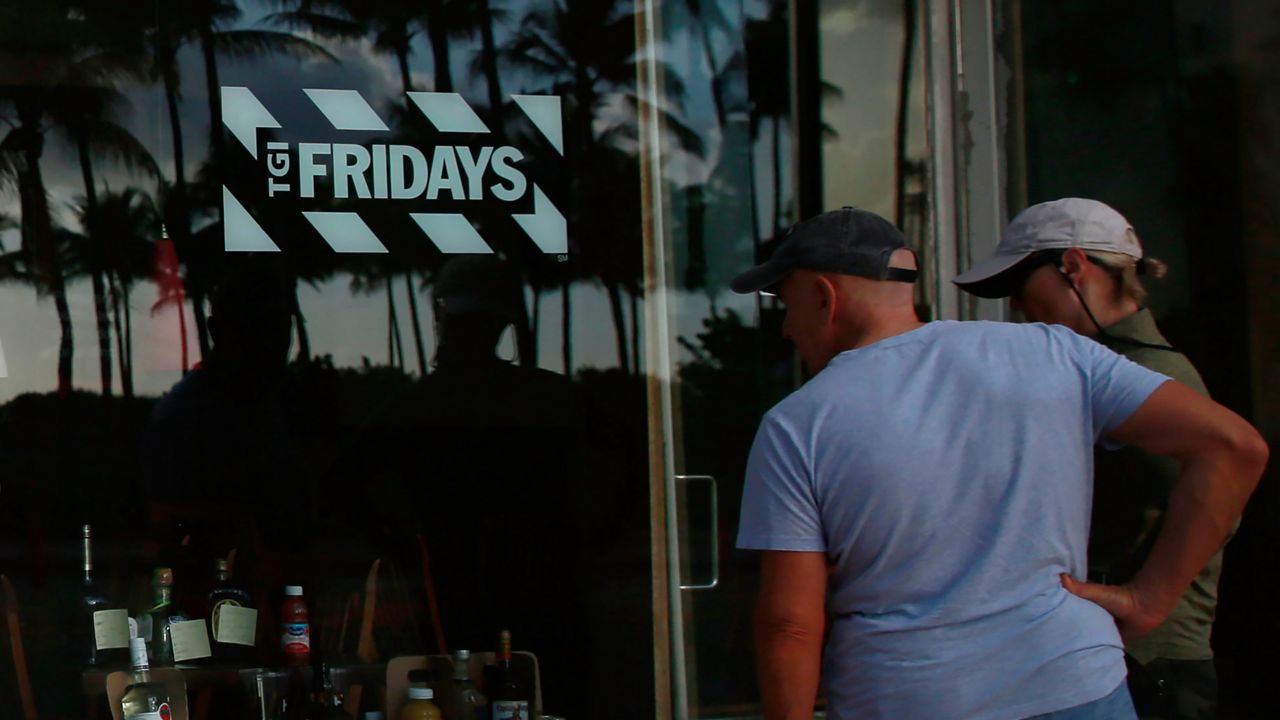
297 638
190 640
510 710
111 629
161 713
234 624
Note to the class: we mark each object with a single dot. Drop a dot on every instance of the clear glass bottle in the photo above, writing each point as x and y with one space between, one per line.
143 699
467 702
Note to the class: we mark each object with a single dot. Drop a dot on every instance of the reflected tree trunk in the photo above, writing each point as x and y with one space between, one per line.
489 59
39 241
535 322
438 33
300 328
214 88
695 273
395 344
127 377
566 328
122 339
406 82
96 269
904 102
717 93
619 324
179 213
402 62
417 323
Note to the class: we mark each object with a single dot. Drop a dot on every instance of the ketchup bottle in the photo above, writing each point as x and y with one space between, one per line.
295 626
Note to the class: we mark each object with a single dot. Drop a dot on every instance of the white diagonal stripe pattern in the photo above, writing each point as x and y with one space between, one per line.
240 232
243 115
346 110
546 226
449 112
544 112
345 232
452 233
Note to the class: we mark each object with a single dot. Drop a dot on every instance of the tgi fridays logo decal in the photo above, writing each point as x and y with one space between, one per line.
361 182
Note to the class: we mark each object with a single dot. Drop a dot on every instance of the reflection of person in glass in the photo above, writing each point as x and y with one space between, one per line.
484 451
924 499
217 456
1077 263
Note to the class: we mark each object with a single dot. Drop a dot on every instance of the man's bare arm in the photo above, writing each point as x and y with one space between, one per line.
789 622
1222 459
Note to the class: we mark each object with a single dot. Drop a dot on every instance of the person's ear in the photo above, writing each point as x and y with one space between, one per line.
827 293
1074 261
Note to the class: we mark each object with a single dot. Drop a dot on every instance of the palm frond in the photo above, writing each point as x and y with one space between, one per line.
248 44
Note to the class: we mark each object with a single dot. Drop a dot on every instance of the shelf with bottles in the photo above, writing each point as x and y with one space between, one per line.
507 682
207 620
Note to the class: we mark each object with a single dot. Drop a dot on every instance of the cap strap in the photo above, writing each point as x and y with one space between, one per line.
901 274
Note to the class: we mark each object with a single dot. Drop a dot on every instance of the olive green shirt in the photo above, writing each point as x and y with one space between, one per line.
1131 492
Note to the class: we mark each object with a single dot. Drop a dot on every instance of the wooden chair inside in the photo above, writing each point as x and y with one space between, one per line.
174 684
17 652
366 649
440 667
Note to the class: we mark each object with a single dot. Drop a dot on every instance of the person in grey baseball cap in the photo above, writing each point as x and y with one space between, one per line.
922 502
1087 243
1078 263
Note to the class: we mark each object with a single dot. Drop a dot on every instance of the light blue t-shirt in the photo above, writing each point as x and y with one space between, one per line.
947 475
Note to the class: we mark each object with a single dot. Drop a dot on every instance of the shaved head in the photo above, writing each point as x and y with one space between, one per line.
828 313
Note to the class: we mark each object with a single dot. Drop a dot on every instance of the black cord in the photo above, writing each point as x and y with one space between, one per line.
1103 334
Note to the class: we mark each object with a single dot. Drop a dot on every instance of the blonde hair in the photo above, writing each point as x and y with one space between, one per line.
1126 269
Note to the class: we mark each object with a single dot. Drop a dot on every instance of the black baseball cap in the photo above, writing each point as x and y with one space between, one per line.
848 241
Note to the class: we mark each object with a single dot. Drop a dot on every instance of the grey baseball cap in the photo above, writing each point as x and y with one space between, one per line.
1053 225
848 241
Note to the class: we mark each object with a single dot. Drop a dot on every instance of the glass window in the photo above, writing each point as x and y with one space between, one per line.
341 292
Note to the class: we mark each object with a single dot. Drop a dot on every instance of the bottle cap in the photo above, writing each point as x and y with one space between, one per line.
293 590
461 654
163 576
421 693
138 652
374 715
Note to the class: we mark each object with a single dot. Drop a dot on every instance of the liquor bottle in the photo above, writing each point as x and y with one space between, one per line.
231 644
102 632
143 699
509 697
466 701
160 618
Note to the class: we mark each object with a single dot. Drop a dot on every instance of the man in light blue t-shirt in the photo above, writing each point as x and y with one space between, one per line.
923 501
